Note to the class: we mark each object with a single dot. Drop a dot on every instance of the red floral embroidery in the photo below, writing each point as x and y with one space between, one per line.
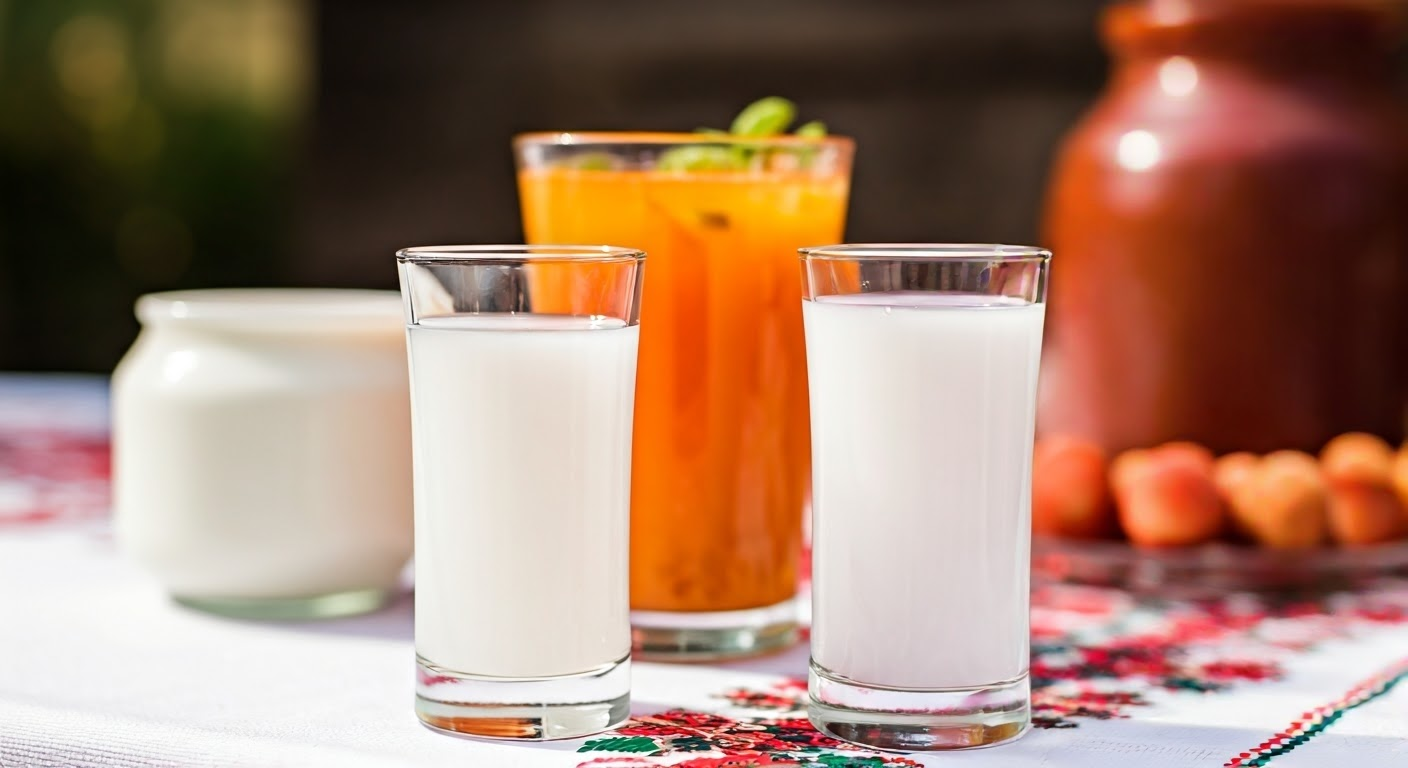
1083 667
53 475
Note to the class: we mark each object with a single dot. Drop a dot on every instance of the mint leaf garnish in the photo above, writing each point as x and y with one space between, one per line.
593 161
764 117
698 158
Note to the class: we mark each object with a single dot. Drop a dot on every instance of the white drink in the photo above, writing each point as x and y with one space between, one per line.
522 438
923 410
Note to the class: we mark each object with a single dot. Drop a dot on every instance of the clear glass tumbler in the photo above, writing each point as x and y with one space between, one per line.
722 454
522 365
922 363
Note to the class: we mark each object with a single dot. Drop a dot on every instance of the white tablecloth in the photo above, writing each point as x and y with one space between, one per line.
98 667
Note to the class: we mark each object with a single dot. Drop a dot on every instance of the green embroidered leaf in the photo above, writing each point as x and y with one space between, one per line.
842 760
620 744
690 744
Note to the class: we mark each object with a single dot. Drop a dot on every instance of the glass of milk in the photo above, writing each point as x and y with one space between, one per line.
523 365
922 362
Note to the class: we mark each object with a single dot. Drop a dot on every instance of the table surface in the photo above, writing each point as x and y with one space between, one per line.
97 667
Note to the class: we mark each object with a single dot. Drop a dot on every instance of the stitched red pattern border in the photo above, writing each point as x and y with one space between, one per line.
1313 723
1095 655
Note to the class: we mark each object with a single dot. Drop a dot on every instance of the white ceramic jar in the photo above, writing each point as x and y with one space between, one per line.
261 449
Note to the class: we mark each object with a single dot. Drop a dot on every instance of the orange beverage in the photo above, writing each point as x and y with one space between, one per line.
721 455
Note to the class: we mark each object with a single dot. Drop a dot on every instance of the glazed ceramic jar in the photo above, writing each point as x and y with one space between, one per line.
262 459
1230 225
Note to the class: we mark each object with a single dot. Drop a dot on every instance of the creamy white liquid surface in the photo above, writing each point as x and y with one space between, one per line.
923 410
522 437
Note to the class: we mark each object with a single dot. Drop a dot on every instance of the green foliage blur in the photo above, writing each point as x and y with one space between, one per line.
145 145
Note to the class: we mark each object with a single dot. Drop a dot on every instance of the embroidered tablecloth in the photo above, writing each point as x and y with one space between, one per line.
97 667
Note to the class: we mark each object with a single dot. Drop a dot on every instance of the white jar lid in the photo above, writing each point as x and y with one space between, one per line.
276 309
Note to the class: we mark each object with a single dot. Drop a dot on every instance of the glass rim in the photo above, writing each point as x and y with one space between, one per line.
481 254
669 138
937 252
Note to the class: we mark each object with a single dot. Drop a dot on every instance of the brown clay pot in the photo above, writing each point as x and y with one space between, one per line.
1230 228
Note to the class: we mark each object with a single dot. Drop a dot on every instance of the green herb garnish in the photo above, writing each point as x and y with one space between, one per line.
766 117
593 161
813 130
698 157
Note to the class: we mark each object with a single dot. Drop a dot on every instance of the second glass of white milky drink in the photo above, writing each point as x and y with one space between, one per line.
922 363
523 362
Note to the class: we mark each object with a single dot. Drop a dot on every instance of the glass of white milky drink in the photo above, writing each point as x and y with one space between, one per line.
523 362
922 362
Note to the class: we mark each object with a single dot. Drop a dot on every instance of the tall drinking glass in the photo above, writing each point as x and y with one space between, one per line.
722 454
923 368
522 364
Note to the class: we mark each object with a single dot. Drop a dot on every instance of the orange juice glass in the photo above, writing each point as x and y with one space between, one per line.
721 467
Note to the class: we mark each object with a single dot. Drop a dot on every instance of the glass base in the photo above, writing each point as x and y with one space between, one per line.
713 635
335 605
523 709
922 720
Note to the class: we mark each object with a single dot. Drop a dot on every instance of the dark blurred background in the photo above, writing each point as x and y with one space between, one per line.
155 144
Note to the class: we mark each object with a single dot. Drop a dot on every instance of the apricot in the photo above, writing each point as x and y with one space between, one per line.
1232 471
1188 451
1070 492
1363 512
1126 466
1184 452
1282 504
1167 501
1398 476
1357 456
1297 463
